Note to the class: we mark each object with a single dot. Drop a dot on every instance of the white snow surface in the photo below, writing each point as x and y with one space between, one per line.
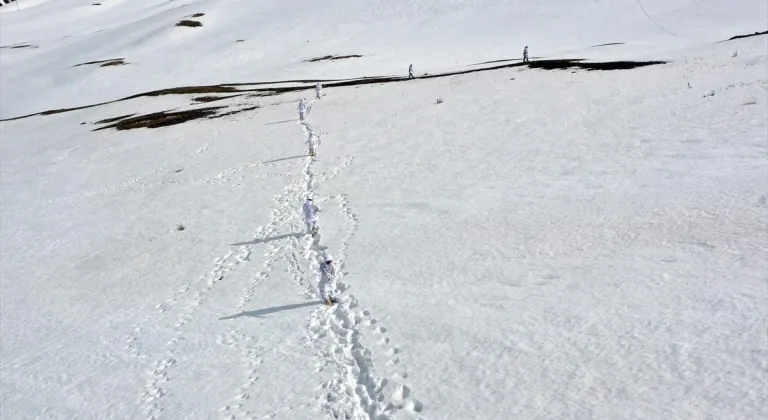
541 245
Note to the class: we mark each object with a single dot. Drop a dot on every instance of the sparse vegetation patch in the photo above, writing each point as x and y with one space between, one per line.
212 98
271 91
577 63
161 119
332 57
113 63
187 90
237 111
189 23
748 35
111 120
102 62
17 46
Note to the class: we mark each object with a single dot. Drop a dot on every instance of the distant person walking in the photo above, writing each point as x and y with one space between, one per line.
410 72
525 54
318 90
327 284
310 216
313 141
302 109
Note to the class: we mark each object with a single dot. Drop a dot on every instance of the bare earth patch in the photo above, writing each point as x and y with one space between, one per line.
108 62
561 64
237 111
113 63
576 63
747 36
17 46
161 119
111 120
332 57
166 118
189 23
212 98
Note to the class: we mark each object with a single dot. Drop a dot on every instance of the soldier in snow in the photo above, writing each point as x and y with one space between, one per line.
318 90
410 71
525 54
302 109
327 284
313 141
310 216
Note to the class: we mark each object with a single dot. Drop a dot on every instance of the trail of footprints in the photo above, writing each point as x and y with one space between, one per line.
355 391
153 392
225 177
281 215
336 333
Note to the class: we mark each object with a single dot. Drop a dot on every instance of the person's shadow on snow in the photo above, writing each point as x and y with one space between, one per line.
285 158
259 313
269 239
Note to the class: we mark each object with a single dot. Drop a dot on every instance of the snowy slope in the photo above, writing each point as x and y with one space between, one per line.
542 245
278 35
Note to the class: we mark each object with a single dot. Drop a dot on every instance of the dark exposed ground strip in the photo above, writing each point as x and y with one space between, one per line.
276 90
746 36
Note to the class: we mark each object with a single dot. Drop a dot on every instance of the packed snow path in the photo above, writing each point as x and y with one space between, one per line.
355 392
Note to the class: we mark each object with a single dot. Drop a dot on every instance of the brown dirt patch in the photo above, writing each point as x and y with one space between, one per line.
189 23
102 62
111 120
748 35
113 63
17 46
212 98
332 57
161 119
237 111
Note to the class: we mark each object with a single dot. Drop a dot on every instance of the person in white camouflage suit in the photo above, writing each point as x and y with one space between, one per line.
313 141
303 108
310 216
328 275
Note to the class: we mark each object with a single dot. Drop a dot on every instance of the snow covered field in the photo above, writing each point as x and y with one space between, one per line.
561 244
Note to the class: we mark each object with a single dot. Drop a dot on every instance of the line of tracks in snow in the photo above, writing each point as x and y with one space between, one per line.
339 335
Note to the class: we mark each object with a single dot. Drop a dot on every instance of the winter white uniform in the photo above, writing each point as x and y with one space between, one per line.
310 216
302 109
313 141
327 283
318 90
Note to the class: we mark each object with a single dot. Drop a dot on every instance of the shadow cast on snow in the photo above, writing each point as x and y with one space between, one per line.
281 122
259 313
269 239
287 158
